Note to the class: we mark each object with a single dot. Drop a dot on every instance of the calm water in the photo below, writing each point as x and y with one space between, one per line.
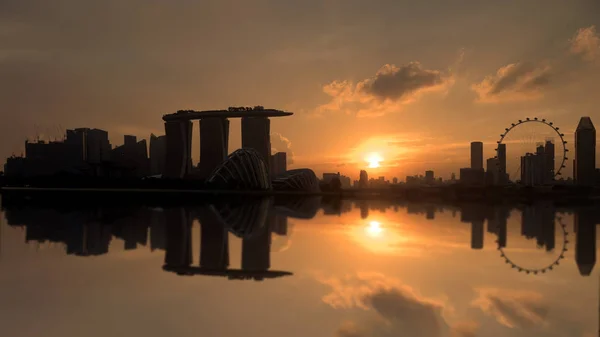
299 268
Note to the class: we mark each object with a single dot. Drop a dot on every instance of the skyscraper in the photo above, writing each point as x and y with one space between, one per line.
256 134
476 155
585 152
158 154
549 162
502 175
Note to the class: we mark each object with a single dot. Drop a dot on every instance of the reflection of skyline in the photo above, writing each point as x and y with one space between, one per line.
90 232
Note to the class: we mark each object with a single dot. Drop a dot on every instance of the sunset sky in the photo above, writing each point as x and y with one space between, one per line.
412 81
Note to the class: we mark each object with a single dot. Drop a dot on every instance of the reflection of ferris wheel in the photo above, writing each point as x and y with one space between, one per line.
524 137
546 268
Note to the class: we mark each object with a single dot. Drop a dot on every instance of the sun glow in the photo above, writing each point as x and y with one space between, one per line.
374 159
374 229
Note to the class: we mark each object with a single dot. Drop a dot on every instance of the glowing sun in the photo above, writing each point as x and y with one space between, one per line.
374 229
373 159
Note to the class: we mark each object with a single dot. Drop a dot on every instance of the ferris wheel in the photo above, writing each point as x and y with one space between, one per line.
526 136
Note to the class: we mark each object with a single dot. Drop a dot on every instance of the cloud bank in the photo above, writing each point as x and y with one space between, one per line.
279 143
399 311
586 43
386 92
514 82
513 309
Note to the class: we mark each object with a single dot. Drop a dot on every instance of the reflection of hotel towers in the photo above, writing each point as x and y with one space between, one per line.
538 222
214 245
585 240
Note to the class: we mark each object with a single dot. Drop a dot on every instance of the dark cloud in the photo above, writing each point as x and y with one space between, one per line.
517 81
395 83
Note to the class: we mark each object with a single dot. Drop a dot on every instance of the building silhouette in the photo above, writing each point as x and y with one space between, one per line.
585 152
132 155
501 155
278 163
214 144
585 240
363 181
158 154
477 155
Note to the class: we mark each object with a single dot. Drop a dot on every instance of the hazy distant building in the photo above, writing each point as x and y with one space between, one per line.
278 163
477 155
395 180
532 169
429 177
133 155
158 154
585 152
328 177
363 181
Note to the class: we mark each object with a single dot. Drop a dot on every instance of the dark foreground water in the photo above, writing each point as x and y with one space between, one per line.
299 268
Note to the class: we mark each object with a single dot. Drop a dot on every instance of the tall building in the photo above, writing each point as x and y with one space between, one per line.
363 181
585 152
477 155
549 162
179 149
492 174
502 174
214 144
158 154
278 163
256 134
98 146
532 169
132 155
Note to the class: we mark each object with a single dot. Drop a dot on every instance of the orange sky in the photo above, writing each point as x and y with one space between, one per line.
412 81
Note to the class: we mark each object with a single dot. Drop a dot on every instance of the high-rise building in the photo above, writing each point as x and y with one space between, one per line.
256 134
585 152
549 162
98 146
179 149
278 163
363 181
532 169
477 155
492 174
214 144
158 154
502 174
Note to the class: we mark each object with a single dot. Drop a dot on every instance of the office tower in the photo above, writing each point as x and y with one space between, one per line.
158 154
477 155
502 174
214 144
549 162
256 134
278 163
492 175
585 152
179 149
98 146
